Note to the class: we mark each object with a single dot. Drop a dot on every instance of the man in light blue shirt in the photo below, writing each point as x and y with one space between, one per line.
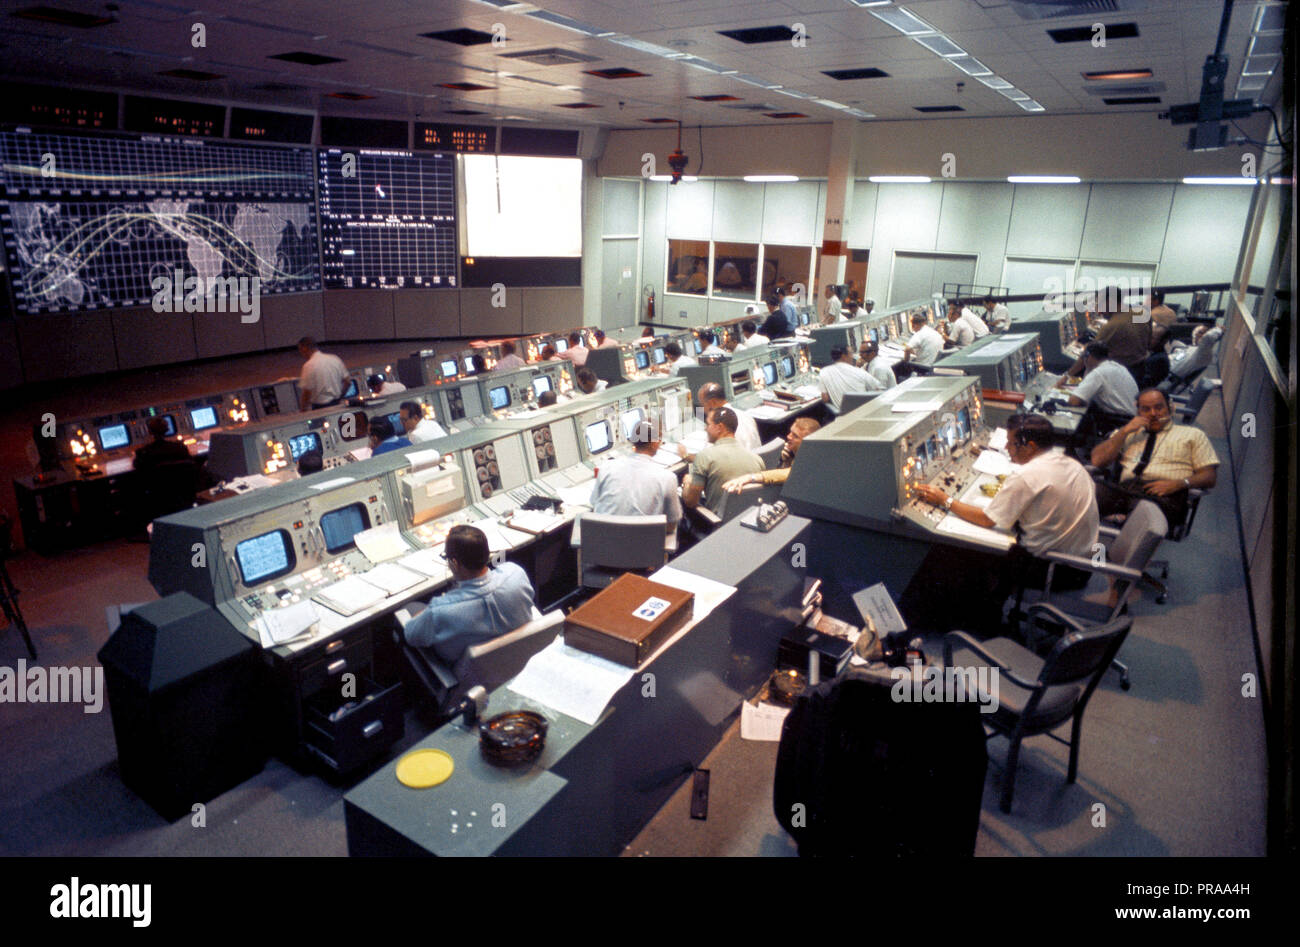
789 309
383 438
484 604
635 485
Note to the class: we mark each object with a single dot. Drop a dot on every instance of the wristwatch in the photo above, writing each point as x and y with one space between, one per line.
947 503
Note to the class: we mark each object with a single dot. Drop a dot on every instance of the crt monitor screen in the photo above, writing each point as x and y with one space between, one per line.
630 420
499 396
642 359
657 356
787 366
170 424
699 346
541 385
448 368
803 318
395 419
203 418
469 366
963 423
561 345
351 390
874 337
113 436
598 437
264 557
340 527
302 443
769 372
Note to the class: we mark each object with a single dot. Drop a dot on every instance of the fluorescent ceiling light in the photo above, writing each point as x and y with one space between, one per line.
898 179
994 82
871 3
1253 84
707 66
909 24
1043 179
1259 66
1014 94
940 45
755 80
644 47
1227 180
858 113
794 93
831 105
1029 105
686 178
969 65
569 23
1265 45
770 178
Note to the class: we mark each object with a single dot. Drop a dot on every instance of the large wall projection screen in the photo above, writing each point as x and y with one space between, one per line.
522 207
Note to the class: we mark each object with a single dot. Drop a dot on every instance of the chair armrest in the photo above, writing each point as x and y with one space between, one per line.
446 677
1041 608
403 617
708 516
969 642
1087 565
1110 532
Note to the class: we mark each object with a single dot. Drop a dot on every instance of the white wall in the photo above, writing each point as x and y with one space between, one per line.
1187 234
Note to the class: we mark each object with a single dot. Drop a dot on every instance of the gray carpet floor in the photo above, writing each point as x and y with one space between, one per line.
1178 762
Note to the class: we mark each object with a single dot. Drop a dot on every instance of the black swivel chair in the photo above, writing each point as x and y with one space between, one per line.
168 488
488 664
1037 695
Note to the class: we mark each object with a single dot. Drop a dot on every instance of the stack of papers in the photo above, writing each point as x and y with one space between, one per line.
351 595
284 624
535 522
570 681
381 543
427 562
392 578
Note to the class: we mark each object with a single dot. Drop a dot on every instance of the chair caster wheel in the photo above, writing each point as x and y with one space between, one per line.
1125 684
1162 599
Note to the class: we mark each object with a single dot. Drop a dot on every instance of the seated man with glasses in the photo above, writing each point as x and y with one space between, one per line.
486 602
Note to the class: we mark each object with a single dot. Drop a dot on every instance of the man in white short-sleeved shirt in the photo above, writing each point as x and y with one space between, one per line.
842 376
925 345
324 377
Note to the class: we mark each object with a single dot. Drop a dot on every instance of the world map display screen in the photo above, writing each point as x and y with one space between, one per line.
97 222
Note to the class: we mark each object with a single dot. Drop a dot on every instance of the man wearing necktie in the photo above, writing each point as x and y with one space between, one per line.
1159 461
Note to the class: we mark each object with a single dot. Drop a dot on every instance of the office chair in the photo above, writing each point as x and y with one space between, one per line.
8 592
1177 531
1094 427
1128 552
853 400
488 664
1185 370
705 520
1036 695
770 453
610 545
168 488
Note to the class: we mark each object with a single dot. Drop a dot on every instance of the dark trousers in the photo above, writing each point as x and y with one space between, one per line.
961 588
1114 499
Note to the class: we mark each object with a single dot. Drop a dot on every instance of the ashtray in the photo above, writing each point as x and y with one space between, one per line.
512 738
786 686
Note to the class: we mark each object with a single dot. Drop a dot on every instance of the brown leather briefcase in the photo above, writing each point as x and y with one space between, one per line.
629 620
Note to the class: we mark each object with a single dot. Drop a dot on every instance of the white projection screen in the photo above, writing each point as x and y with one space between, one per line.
522 206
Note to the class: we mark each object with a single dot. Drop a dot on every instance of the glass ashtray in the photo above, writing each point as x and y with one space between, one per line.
512 738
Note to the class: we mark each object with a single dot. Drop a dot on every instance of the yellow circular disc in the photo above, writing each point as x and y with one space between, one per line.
422 769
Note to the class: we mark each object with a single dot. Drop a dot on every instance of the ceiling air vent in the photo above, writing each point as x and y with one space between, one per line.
551 56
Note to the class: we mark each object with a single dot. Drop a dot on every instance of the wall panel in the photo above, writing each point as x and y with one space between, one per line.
1047 220
479 319
144 337
362 314
426 314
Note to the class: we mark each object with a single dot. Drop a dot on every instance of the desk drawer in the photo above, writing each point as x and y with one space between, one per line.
344 733
326 672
